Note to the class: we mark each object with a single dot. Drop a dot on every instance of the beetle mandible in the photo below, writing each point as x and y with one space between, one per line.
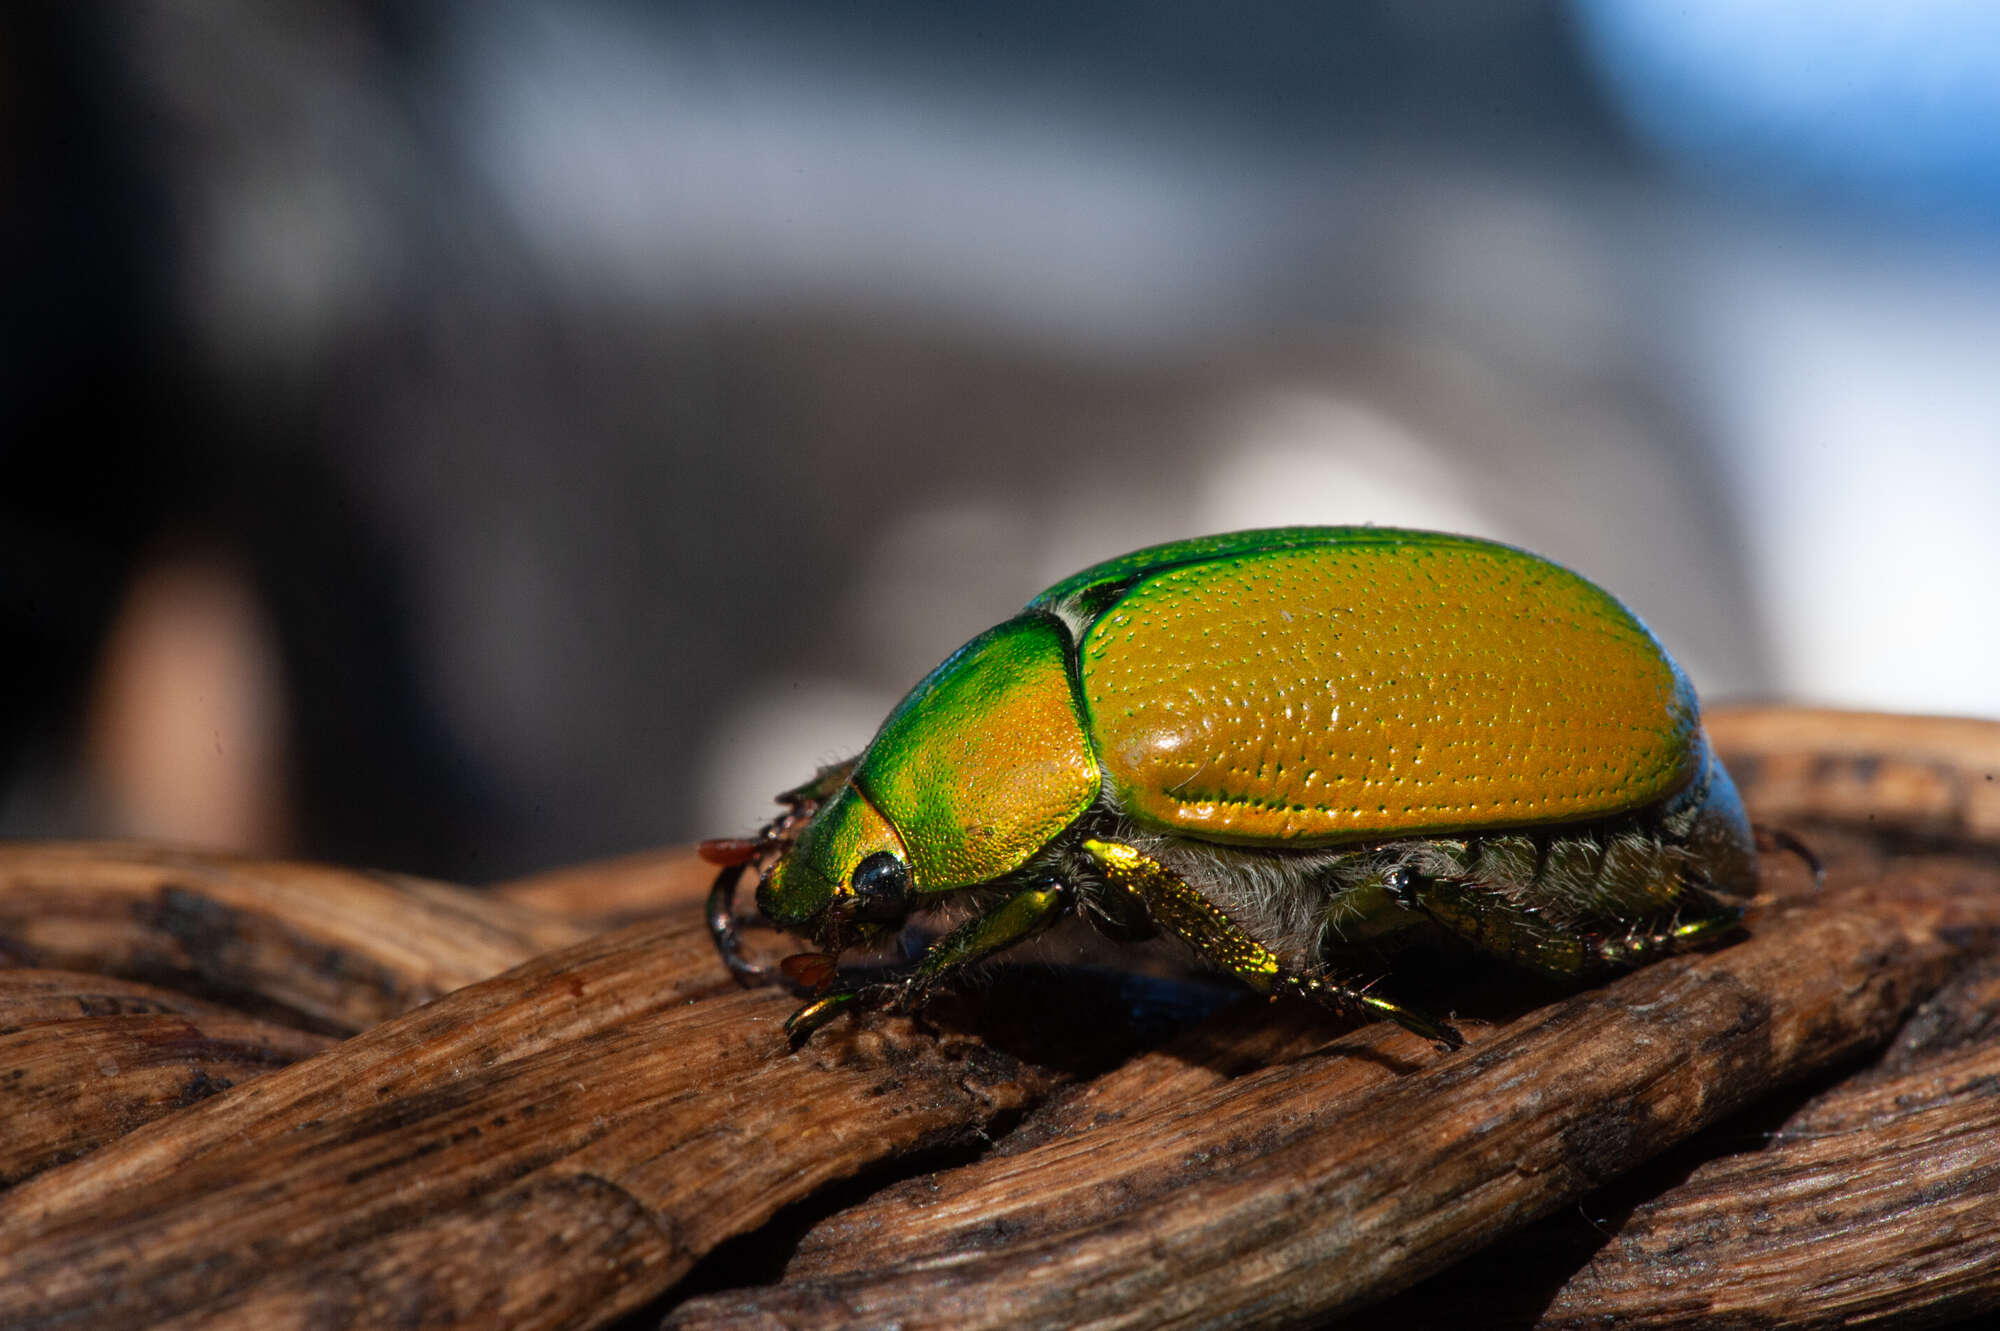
1278 746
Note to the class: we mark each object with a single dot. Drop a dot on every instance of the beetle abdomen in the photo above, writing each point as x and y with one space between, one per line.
1361 690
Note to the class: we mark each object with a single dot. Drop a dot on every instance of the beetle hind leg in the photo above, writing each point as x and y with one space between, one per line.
1175 906
1490 922
1487 919
1704 920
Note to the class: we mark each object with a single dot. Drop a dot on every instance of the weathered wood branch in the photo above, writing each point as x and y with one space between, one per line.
1116 1144
1871 1203
556 999
1929 775
1878 1198
608 893
560 1137
337 948
554 1145
1279 1198
85 1059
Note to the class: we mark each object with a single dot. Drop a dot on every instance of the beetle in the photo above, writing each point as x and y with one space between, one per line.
1288 748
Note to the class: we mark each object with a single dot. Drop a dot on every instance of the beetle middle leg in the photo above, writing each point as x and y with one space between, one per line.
1016 919
1184 912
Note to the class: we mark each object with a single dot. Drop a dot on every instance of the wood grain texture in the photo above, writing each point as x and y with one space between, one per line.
581 1108
85 1060
560 998
1869 1202
1052 1177
339 949
1877 1199
30 997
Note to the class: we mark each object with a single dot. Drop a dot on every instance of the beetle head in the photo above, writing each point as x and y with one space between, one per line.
846 880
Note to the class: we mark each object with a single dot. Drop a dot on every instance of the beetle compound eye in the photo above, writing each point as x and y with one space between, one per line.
881 889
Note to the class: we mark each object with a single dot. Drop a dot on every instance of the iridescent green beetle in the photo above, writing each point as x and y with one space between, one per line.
1285 748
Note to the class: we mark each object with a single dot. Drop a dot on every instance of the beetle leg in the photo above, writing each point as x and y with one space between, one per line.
1202 925
1710 919
809 795
1018 918
735 854
1771 838
1352 1002
801 1024
1021 916
721 913
1185 913
1492 923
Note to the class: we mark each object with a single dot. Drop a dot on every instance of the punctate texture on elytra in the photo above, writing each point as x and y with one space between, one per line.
1322 696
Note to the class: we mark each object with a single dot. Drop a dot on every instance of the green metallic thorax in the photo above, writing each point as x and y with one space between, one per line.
986 761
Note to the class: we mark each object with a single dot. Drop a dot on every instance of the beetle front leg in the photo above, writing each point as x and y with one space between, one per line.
1202 925
1018 918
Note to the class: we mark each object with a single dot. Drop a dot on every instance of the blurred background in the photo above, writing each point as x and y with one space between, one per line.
471 437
